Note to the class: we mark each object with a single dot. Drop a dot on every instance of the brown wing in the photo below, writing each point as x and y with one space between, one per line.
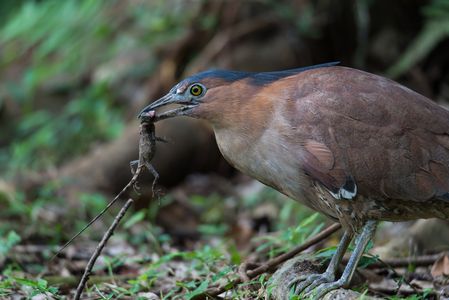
318 162
392 141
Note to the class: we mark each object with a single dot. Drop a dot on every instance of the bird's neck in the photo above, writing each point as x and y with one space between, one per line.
239 108
238 116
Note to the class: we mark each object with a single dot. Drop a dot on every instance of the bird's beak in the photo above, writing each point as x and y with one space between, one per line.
170 98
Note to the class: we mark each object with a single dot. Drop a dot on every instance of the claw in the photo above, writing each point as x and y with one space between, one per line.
322 289
300 280
307 283
136 189
162 140
318 280
132 164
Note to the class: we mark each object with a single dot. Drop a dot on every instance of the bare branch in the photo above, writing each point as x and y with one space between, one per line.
272 263
99 248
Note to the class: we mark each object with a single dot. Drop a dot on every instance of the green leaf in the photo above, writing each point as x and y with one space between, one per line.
11 239
134 219
309 220
42 284
435 30
326 253
26 282
199 290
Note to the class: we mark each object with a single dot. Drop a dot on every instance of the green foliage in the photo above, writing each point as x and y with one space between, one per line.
52 55
49 48
207 265
326 253
436 29
422 296
135 218
73 45
43 139
291 236
367 259
24 217
7 242
92 203
38 286
41 217
72 36
304 19
203 263
13 279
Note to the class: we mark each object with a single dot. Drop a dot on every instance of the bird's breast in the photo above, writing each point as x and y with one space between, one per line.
268 159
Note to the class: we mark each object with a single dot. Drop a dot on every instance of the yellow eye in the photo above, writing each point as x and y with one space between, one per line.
196 90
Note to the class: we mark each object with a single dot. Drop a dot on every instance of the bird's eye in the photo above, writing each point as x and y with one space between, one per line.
196 90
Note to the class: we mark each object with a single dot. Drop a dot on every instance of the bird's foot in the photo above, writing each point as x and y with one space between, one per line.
162 140
303 282
315 286
132 165
319 290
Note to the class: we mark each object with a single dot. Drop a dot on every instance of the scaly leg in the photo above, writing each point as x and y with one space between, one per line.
155 174
132 164
159 139
310 281
360 244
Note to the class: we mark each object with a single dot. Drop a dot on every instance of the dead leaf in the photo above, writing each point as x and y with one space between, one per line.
440 266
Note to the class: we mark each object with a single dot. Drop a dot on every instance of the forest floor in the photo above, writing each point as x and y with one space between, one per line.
147 259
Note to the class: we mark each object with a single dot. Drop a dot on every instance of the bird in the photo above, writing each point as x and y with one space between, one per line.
354 146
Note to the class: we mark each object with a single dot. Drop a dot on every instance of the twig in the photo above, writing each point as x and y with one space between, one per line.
147 149
100 247
401 292
419 261
271 264
66 283
95 218
392 263
242 270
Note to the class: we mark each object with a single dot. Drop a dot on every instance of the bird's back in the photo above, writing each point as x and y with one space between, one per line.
345 142
393 143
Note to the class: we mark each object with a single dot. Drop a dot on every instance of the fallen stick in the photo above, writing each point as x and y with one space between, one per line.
271 264
125 189
99 248
388 291
147 149
418 261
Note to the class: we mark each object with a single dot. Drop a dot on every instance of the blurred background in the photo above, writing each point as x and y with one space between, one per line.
75 73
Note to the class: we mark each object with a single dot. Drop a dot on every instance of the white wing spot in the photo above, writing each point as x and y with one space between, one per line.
345 194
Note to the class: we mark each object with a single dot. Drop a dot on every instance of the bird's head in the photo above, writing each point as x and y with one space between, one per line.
224 96
195 94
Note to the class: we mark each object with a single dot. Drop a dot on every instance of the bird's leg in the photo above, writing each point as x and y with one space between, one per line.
360 244
162 140
310 281
155 174
132 164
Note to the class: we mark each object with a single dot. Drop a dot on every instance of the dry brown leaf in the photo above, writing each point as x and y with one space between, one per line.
440 266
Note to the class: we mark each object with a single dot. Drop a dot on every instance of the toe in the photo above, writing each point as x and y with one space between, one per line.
312 281
296 281
315 283
323 289
301 286
299 279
